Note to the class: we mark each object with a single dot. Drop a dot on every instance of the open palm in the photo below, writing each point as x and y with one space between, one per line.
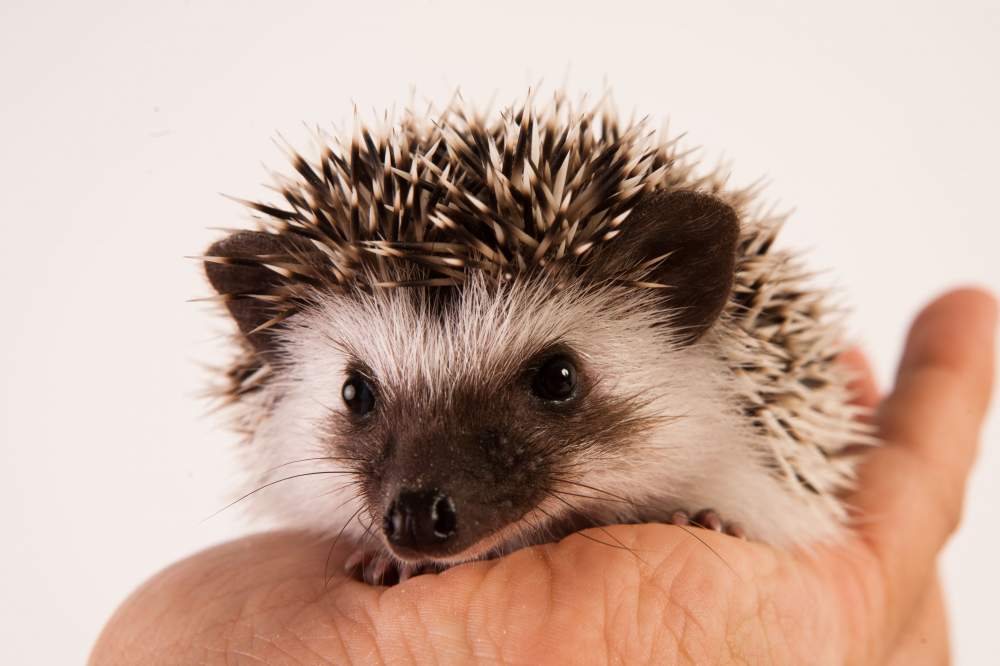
874 598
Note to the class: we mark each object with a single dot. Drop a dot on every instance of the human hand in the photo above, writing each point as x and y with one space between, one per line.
873 599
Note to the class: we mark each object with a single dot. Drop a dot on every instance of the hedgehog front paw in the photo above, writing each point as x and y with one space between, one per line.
376 567
707 519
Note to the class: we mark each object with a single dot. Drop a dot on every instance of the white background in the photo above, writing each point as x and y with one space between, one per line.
121 123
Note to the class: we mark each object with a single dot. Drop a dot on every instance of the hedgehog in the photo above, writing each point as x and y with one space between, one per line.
465 332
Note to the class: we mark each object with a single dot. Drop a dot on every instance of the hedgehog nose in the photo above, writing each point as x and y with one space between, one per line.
420 519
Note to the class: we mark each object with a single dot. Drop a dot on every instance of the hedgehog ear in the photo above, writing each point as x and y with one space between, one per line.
234 269
691 239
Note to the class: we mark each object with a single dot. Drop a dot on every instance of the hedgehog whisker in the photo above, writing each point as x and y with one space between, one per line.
595 489
272 483
302 460
597 498
333 545
611 536
616 498
634 504
346 484
368 528
367 536
706 545
619 546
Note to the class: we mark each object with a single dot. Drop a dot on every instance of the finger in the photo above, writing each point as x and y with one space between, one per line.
911 488
932 419
945 377
864 390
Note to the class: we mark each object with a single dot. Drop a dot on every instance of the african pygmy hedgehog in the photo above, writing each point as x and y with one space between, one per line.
462 334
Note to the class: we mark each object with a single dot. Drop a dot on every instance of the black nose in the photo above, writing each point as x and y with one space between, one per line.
420 519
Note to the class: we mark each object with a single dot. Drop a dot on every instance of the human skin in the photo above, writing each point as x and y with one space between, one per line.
669 598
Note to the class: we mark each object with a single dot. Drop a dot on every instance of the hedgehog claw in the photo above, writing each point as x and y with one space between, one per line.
679 518
367 566
707 519
407 571
377 568
354 560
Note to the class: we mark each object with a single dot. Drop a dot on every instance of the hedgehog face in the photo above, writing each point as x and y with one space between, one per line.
445 471
461 432
461 416
452 428
448 412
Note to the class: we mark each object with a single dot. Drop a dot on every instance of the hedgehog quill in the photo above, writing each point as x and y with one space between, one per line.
465 333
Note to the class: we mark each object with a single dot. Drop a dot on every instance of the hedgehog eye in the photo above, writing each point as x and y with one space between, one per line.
358 395
555 380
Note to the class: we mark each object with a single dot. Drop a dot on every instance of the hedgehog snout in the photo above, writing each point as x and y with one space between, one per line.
445 492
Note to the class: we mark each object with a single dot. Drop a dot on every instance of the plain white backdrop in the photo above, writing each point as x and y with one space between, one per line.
122 121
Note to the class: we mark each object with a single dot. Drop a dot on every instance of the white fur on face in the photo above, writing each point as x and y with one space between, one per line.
700 454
